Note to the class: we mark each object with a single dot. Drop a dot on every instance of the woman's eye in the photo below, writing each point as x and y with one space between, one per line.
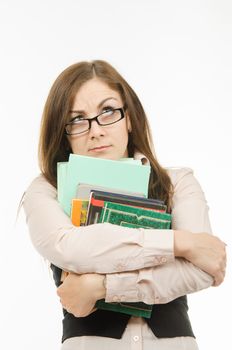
77 119
107 108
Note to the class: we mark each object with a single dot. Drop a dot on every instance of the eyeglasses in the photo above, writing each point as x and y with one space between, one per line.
80 125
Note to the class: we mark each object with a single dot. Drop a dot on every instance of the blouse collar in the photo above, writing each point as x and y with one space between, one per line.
140 156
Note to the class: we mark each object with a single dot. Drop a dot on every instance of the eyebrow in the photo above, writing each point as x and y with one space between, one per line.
99 106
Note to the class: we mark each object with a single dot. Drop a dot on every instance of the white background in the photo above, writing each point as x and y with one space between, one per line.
177 55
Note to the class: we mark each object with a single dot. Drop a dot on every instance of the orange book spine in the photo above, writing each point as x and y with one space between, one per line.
76 212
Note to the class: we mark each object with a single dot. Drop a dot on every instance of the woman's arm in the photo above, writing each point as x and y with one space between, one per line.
101 248
162 284
155 285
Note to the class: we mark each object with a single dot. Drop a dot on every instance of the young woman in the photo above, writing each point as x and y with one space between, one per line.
91 110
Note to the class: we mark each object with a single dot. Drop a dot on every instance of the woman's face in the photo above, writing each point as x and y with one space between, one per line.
109 141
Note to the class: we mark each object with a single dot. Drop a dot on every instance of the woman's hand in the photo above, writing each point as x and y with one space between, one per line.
204 251
79 293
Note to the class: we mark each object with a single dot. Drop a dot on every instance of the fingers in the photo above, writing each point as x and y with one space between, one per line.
59 290
219 277
220 268
77 311
93 310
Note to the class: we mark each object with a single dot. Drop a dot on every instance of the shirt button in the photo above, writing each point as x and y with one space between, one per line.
136 338
156 261
122 298
115 298
164 260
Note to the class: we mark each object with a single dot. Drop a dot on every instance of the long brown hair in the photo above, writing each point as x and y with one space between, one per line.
54 146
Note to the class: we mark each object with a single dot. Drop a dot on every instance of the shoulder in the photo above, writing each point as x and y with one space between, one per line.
185 183
41 185
177 174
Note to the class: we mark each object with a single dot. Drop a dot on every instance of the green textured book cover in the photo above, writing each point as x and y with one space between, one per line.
125 215
138 309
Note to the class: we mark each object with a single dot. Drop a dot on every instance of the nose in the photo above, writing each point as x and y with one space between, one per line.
96 130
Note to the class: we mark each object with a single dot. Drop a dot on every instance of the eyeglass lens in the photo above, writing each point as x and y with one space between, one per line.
82 125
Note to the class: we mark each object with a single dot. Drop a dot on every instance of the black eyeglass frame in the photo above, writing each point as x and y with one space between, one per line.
90 120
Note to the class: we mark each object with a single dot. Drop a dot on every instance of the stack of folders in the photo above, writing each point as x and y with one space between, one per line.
101 190
121 175
123 210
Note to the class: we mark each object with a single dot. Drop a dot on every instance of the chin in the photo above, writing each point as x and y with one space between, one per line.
108 156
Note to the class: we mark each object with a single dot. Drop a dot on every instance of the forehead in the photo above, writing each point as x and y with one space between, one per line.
92 92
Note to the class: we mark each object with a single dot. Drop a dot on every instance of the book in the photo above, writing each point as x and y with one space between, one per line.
80 202
145 213
138 309
97 199
84 190
79 211
125 215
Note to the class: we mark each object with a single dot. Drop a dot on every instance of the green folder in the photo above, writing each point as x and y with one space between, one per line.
128 175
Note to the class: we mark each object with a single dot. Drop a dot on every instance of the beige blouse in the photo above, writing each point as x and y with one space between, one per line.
139 264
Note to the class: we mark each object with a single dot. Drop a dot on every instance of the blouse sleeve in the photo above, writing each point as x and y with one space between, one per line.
161 284
100 248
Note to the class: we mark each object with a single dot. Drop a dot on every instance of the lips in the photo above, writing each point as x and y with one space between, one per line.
99 148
